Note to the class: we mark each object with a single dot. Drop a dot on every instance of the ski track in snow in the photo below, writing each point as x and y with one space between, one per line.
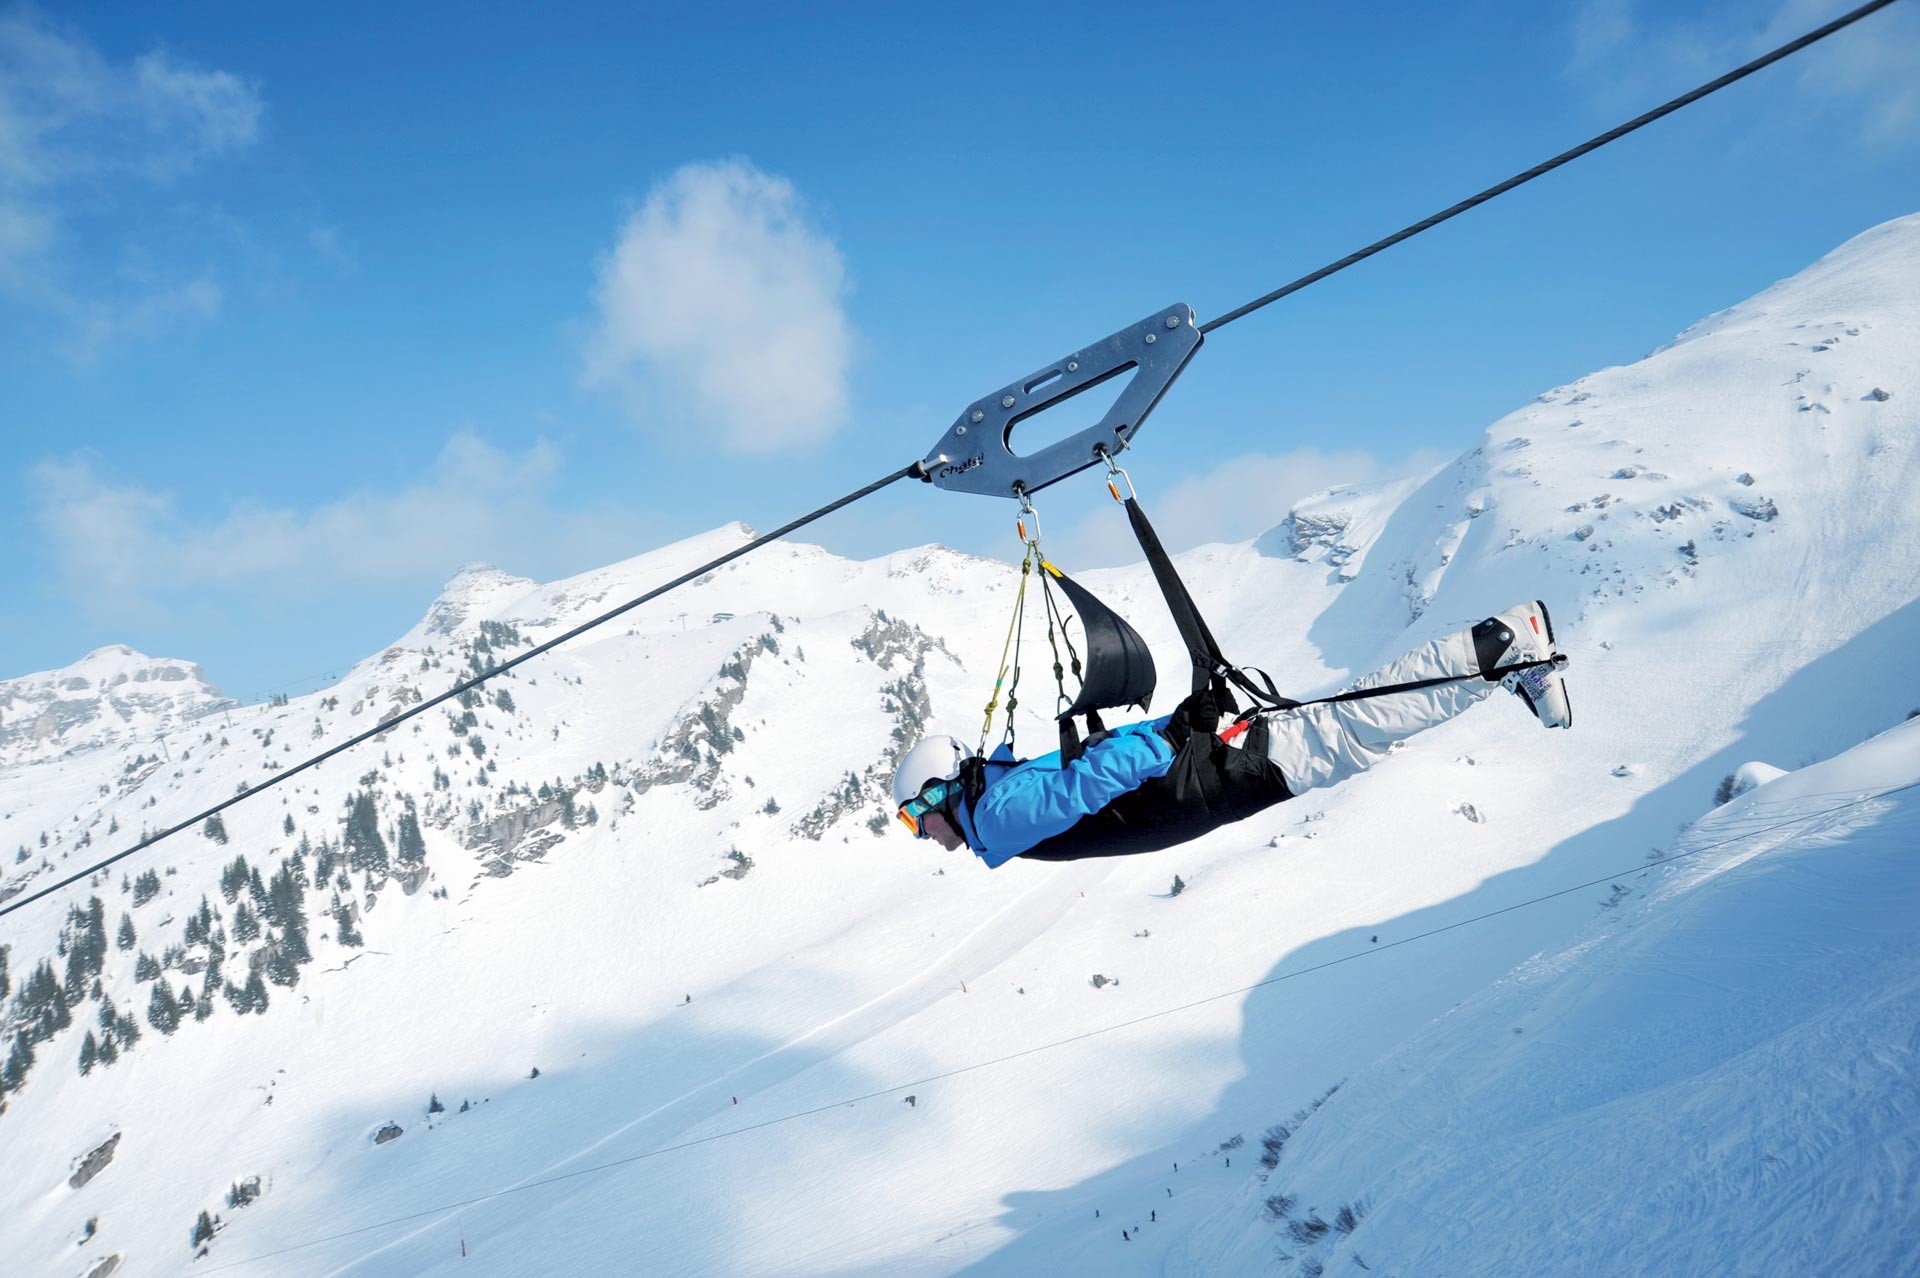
1707 1066
1014 925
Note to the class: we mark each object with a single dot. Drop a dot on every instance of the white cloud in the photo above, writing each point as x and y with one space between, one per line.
722 303
194 113
69 119
1236 501
127 552
148 315
1870 67
1631 54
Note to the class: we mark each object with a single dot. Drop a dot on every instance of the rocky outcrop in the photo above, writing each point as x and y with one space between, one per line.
475 589
1309 533
94 1162
517 835
892 645
111 695
691 751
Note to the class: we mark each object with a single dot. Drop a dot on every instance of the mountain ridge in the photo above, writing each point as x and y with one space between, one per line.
662 871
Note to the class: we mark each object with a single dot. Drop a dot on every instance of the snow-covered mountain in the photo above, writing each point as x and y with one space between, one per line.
645 893
111 696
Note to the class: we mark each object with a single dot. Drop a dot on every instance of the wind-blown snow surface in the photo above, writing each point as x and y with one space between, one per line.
1727 536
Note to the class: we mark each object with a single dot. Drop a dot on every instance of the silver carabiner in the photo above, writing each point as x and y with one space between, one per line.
1027 511
1115 471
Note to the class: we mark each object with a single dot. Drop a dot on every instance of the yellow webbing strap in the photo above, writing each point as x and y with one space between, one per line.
1019 610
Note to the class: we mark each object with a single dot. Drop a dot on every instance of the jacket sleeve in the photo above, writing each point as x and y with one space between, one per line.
1031 805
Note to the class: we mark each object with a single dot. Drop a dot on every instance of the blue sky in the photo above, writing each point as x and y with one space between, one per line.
302 310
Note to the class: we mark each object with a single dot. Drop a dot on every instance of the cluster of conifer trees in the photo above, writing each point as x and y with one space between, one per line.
189 975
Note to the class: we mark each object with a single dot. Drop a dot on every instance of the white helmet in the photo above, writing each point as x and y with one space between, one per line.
933 759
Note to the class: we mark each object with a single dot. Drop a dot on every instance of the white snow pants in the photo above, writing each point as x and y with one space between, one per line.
1319 745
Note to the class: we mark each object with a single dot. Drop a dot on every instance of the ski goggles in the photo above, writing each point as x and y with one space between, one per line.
931 799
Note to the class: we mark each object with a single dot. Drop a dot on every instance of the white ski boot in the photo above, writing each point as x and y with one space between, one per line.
1523 636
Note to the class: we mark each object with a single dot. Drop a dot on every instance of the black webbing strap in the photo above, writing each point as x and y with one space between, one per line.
1386 690
1071 746
1211 669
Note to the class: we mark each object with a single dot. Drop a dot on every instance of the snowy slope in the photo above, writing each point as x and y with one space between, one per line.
688 802
1720 1074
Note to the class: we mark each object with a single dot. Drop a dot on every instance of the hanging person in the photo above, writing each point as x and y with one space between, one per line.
1152 784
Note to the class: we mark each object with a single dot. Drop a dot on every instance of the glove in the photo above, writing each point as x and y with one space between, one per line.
1199 713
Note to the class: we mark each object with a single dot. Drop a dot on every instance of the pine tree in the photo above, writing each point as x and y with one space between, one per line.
233 879
343 926
89 1054
256 992
412 845
146 887
19 1062
202 1229
6 981
280 967
215 828
145 967
216 955
162 1012
287 897
116 1032
125 940
286 827
256 889
366 848
433 1103
94 937
200 924
42 1007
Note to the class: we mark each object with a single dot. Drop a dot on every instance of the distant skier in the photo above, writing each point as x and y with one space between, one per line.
1159 782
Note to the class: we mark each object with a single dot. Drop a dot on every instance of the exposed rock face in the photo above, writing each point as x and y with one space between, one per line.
109 1266
111 695
392 1131
95 1162
1311 531
474 590
893 646
520 834
692 749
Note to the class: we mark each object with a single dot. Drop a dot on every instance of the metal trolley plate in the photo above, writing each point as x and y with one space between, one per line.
976 455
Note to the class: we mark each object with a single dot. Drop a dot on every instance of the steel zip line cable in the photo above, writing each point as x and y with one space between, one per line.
1591 144
916 470
1035 1050
467 684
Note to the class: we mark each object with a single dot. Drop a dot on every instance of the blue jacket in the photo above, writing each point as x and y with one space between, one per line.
1029 801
